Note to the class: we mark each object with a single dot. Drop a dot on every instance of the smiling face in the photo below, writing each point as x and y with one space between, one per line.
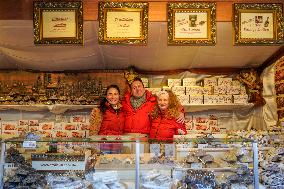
137 89
163 101
112 96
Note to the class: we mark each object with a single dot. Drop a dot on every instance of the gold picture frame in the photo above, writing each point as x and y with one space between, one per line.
258 24
58 22
123 23
191 23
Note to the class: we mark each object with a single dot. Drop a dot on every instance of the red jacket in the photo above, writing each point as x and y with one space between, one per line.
112 122
138 121
164 127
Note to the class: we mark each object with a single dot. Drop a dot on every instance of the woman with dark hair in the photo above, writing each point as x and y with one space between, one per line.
108 119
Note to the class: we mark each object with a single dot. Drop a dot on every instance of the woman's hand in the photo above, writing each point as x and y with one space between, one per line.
181 118
181 132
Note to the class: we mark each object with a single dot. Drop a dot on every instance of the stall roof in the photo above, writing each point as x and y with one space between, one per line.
17 49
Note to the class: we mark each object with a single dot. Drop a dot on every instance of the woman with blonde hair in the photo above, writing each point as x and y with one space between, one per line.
163 117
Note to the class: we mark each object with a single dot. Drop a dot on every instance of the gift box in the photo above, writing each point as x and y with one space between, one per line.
194 90
210 82
196 99
178 90
233 90
166 88
207 90
183 99
46 126
225 99
189 82
224 81
240 99
201 127
200 118
220 89
188 122
174 82
211 99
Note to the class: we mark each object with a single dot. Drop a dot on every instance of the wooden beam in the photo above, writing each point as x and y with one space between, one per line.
272 59
23 9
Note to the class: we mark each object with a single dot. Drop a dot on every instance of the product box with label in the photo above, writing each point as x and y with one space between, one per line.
196 99
224 81
210 81
174 82
240 99
178 90
194 90
183 99
189 82
220 89
211 99
233 90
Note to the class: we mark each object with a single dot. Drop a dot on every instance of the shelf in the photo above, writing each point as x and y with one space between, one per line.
223 169
219 149
61 108
204 107
56 108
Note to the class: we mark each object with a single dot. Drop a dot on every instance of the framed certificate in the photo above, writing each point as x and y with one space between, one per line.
58 22
191 23
258 24
123 23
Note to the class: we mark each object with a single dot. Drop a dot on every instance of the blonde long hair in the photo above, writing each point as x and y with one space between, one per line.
173 108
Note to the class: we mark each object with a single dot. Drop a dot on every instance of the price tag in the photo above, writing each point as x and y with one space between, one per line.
196 165
9 166
29 144
169 150
155 149
202 145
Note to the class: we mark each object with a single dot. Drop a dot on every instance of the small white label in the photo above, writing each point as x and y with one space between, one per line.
9 166
196 165
58 165
169 150
29 144
155 149
202 145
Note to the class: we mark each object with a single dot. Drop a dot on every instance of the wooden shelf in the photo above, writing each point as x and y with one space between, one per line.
204 107
56 108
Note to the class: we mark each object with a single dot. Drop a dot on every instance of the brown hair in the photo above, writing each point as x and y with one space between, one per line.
173 109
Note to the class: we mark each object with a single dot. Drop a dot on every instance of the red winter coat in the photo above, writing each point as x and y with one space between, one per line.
165 127
112 122
138 121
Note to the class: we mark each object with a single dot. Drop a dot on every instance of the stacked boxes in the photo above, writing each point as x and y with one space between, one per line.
202 123
77 127
225 91
214 91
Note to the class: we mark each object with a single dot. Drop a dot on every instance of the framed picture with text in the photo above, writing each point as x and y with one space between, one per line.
191 23
123 23
258 24
58 22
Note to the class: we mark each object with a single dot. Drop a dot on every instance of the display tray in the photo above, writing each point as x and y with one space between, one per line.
111 161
